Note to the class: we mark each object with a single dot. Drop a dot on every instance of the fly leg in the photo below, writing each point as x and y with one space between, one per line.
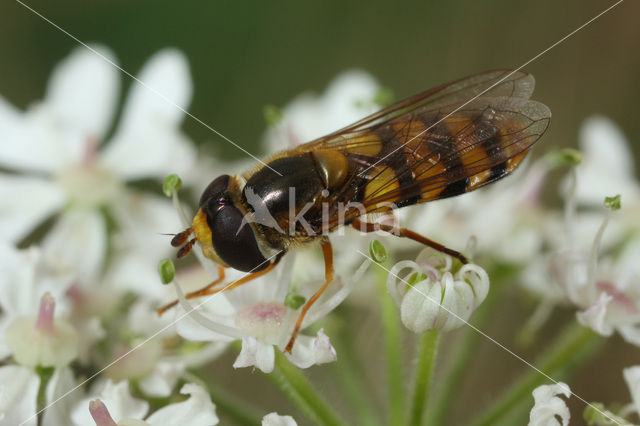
208 289
407 233
327 252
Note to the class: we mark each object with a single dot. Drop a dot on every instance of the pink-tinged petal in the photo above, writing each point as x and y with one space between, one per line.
198 410
310 351
274 419
595 316
632 377
118 400
83 91
255 353
18 393
78 243
148 142
28 202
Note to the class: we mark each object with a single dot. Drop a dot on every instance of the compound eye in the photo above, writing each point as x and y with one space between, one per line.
215 189
235 245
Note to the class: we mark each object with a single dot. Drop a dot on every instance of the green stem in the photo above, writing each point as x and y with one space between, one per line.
428 349
350 376
392 344
574 346
440 405
45 374
299 390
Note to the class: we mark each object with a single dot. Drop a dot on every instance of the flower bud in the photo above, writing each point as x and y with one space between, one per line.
432 297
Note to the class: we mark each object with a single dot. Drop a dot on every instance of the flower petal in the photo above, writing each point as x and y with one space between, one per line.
198 410
548 406
632 377
274 419
148 142
163 378
62 402
311 351
78 243
630 333
607 167
420 307
18 392
141 219
595 316
29 201
348 98
83 91
255 352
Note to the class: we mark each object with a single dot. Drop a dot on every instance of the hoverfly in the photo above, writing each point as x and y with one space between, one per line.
443 142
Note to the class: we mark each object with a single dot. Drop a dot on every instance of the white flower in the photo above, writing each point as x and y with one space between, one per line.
607 165
604 289
42 340
256 314
548 407
62 166
431 296
349 97
26 277
274 419
116 405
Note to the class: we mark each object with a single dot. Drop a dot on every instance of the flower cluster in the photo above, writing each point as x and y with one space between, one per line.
83 298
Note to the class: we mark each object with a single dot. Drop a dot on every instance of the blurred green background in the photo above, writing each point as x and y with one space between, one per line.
244 55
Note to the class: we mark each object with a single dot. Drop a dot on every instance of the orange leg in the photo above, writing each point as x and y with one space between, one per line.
196 293
208 289
327 252
404 232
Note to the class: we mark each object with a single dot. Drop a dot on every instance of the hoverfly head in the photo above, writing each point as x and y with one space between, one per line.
225 236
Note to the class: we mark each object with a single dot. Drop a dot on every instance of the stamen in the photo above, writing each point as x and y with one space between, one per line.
186 248
100 413
44 323
180 238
